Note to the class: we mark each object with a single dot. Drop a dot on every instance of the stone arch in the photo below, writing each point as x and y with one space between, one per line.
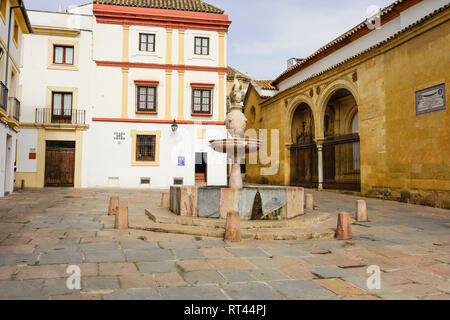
348 118
324 98
292 107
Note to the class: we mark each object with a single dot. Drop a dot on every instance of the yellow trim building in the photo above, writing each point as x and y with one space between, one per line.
403 153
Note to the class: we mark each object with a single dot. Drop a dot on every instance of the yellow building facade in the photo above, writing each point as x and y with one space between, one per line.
362 114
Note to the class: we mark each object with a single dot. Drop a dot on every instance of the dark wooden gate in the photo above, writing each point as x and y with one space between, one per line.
304 163
341 163
60 164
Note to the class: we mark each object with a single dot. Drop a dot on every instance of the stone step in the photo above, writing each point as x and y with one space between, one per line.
162 215
181 229
246 234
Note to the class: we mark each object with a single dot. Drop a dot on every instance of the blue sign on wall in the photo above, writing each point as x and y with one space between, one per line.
181 161
431 99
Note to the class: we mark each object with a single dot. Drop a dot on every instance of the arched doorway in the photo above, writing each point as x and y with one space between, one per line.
341 158
304 171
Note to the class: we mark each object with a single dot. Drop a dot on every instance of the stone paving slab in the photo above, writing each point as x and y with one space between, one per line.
148 255
193 293
329 272
104 256
24 288
247 252
340 287
287 252
188 253
251 291
133 294
97 284
301 289
203 277
237 275
157 267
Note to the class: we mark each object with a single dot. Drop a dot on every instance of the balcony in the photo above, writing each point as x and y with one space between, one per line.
66 116
14 109
3 98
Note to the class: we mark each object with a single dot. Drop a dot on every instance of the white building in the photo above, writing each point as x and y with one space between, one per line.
13 23
103 84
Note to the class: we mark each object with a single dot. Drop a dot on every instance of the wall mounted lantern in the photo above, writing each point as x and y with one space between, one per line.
174 126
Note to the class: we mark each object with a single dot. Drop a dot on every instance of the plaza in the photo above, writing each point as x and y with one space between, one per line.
44 232
137 164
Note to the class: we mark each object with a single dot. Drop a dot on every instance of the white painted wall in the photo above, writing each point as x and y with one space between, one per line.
7 159
191 59
107 42
100 94
104 158
27 140
406 18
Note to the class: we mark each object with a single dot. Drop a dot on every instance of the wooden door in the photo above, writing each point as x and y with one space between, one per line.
59 166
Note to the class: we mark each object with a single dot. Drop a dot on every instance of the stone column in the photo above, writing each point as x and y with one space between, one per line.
320 166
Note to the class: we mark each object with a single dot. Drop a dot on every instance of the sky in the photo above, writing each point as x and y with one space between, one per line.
264 34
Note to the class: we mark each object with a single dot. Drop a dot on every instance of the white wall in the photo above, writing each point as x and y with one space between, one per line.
110 159
27 140
406 18
36 76
7 159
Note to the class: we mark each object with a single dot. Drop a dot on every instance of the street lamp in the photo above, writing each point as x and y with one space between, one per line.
174 126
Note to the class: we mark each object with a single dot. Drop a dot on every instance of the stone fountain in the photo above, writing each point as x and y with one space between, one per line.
252 202
236 146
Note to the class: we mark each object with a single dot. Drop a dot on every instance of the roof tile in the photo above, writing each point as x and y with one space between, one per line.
182 5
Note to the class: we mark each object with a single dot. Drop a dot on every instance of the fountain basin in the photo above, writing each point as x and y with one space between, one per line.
208 202
234 146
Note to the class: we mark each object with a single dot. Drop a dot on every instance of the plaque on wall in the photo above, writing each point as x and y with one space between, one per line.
430 99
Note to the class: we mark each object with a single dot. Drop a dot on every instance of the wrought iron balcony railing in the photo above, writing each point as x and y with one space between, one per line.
68 116
14 110
3 97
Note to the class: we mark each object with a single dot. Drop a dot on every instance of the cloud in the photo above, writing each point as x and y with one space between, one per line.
265 33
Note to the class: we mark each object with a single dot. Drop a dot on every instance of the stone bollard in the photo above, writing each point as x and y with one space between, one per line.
233 227
295 202
344 226
228 201
122 218
309 202
165 200
361 211
113 205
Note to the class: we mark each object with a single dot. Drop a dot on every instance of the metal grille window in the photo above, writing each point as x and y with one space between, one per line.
146 42
202 46
146 100
145 147
63 55
202 99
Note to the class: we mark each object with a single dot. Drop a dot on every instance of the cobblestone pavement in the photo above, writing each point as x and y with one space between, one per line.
42 232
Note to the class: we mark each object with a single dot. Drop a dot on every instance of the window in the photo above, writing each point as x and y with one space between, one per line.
202 46
61 107
63 55
16 32
146 99
202 99
145 147
146 42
